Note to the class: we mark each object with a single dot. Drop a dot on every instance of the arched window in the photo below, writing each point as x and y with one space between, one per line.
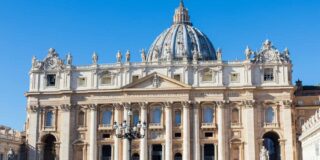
178 156
156 115
269 115
49 119
208 114
81 119
136 117
235 115
106 117
177 115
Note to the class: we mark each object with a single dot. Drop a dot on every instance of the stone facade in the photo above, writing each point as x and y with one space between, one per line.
196 105
11 144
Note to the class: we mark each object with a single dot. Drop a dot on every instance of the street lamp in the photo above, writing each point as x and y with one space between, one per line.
129 131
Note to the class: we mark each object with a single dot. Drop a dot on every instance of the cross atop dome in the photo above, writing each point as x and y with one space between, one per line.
181 15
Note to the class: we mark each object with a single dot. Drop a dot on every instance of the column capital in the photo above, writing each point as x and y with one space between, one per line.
65 107
92 107
195 104
168 104
127 105
186 104
143 105
116 106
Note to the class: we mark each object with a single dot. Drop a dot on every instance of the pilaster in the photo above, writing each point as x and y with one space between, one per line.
65 132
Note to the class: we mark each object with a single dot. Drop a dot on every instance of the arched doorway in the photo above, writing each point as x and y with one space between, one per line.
135 156
178 156
49 147
271 143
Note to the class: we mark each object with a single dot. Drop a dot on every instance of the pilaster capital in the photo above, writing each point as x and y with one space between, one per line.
221 104
248 103
65 107
92 107
34 109
195 104
286 103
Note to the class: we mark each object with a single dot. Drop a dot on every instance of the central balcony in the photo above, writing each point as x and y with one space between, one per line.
208 125
105 127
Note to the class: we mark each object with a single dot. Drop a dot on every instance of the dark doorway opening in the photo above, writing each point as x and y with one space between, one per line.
49 147
178 156
106 152
271 143
208 152
156 152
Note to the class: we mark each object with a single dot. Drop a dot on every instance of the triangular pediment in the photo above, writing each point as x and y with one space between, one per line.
154 81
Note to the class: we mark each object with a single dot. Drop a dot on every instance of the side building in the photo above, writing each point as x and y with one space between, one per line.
310 138
12 144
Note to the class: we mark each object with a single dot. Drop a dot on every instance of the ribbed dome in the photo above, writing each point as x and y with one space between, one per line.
181 41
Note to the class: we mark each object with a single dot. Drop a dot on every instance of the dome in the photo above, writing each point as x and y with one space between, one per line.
182 41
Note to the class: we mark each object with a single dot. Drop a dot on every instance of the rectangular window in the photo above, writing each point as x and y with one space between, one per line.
177 77
234 77
177 135
51 80
268 74
208 134
135 78
82 82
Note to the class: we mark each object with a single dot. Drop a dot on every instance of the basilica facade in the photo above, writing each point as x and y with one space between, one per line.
196 106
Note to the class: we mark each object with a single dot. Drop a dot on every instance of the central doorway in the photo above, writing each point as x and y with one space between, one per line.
208 152
156 152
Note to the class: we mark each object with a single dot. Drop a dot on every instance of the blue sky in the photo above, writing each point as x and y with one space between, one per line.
29 28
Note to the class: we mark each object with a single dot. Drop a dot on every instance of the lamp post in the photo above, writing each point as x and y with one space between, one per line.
130 131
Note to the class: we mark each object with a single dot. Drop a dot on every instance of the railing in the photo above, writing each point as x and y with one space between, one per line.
105 127
208 125
236 125
270 125
155 126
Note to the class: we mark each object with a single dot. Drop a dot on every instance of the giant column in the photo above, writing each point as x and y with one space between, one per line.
144 140
221 131
116 140
125 148
65 133
93 133
186 131
196 132
168 126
